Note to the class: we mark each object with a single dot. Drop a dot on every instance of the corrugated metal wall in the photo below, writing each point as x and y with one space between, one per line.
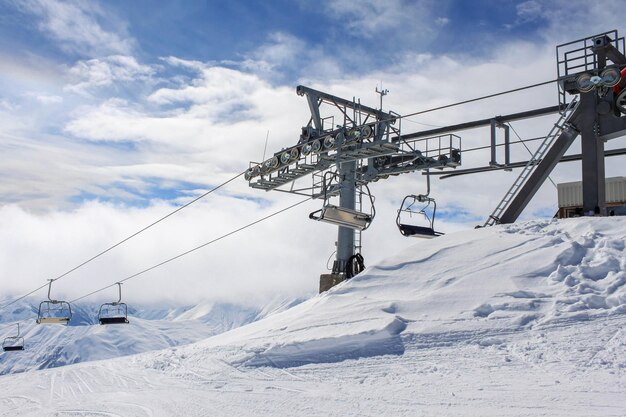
571 193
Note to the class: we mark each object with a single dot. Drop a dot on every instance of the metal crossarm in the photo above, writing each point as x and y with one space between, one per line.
541 151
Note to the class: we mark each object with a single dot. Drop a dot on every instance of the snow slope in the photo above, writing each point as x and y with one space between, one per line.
517 320
150 328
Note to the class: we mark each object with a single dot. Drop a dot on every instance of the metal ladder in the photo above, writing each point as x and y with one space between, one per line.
494 218
359 207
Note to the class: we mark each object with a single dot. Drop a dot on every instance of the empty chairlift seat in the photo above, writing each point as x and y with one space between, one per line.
13 343
342 217
115 312
54 311
417 222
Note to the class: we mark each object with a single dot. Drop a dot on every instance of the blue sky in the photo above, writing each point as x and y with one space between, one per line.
233 31
131 89
116 111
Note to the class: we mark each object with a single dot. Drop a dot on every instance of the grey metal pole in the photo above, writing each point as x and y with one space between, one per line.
493 161
347 199
507 145
592 150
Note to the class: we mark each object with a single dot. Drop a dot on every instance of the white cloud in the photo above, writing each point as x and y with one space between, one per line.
367 17
213 86
48 99
375 19
205 127
284 56
442 21
233 268
280 50
568 20
45 98
7 105
104 72
77 26
529 10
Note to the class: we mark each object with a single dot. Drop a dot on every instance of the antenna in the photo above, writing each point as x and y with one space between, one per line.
382 92
267 137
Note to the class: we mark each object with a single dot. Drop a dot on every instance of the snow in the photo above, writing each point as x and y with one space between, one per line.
151 328
517 320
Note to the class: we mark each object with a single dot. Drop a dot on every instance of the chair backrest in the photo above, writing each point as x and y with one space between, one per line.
113 311
54 312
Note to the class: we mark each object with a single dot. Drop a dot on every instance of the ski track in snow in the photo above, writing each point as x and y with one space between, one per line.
519 320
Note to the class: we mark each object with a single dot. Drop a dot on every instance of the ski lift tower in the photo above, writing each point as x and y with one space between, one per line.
344 146
595 68
592 74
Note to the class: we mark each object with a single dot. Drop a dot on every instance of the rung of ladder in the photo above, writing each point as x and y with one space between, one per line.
532 163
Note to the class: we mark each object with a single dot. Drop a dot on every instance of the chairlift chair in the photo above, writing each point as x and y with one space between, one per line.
54 311
115 312
342 216
423 227
13 343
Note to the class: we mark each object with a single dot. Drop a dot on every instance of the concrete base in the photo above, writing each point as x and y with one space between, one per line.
327 281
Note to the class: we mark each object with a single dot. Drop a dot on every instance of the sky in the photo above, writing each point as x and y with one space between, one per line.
114 113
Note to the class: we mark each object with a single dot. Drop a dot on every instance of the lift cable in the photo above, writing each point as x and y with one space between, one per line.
125 239
419 123
477 99
479 148
528 149
193 249
219 186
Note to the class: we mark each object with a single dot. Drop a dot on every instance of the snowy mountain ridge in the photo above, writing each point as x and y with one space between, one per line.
150 328
525 319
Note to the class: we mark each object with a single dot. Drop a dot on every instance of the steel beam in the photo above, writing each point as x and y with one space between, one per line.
380 115
494 125
605 49
592 149
314 107
540 174
521 164
611 127
480 123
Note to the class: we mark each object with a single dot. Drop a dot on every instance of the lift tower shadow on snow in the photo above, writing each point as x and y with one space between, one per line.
344 146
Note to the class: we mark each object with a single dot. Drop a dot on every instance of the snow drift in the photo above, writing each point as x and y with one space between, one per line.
523 319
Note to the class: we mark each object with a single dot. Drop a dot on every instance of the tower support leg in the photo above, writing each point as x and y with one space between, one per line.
592 150
347 199
345 235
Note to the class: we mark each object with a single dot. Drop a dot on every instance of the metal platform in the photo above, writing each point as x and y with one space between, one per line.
419 164
578 57
364 151
288 174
